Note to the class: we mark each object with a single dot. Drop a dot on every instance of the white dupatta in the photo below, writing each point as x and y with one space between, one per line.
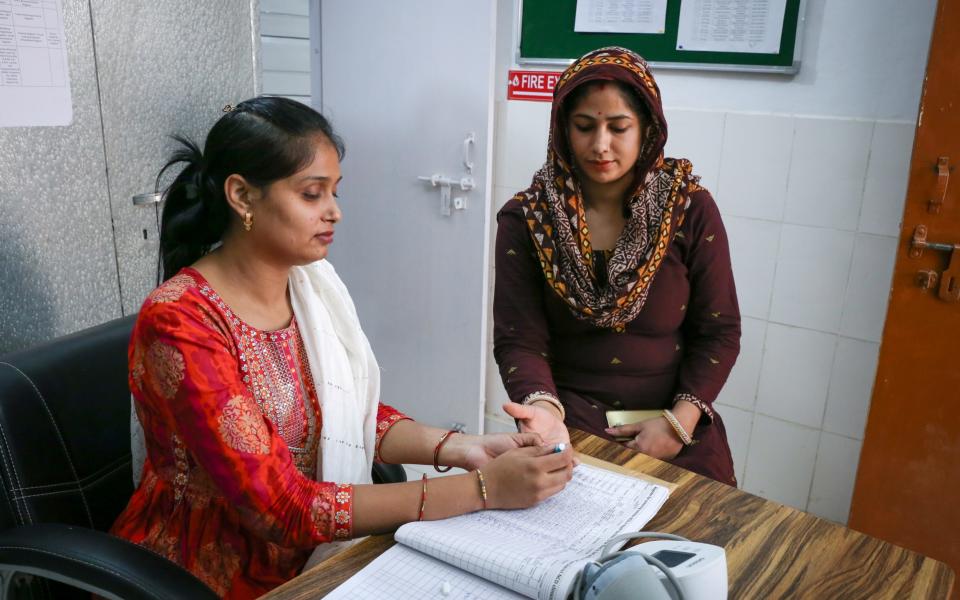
346 376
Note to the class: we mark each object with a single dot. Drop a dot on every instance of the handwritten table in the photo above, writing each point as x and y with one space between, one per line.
773 551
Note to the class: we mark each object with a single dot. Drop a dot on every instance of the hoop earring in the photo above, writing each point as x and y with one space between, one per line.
247 221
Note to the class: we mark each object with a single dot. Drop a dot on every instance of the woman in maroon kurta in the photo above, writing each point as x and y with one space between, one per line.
613 282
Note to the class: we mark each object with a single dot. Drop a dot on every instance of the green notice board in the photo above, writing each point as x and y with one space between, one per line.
547 37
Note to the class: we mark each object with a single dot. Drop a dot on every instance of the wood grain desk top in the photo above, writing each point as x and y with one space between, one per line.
773 551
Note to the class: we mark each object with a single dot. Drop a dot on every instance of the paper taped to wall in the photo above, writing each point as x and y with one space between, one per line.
34 80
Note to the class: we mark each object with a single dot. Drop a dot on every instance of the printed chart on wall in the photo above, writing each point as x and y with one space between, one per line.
731 25
34 81
621 16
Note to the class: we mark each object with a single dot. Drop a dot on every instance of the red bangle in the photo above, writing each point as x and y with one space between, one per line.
423 498
436 451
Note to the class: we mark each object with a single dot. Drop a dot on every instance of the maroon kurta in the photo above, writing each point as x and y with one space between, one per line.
685 340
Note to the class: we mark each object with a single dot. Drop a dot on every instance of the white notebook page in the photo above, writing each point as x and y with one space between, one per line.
401 573
538 551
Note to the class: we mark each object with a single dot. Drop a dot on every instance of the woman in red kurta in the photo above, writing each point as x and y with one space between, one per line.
253 381
613 282
218 480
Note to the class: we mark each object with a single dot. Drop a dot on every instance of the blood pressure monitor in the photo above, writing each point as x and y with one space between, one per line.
670 568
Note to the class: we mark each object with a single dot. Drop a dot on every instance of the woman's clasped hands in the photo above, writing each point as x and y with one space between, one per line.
653 437
523 477
520 469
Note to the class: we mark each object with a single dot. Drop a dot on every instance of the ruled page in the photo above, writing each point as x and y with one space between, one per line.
538 551
402 573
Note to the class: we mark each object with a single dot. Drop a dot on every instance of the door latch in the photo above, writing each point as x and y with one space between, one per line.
949 289
446 184
927 278
950 279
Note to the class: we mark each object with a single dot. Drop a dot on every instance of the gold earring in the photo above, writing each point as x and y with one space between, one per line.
247 221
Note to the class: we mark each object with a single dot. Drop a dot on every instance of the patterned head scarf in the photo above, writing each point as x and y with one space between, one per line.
555 214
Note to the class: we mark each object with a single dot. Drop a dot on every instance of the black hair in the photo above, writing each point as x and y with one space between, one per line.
263 139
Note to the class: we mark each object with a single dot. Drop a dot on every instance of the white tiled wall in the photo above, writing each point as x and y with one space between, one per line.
812 270
795 374
754 164
827 167
812 208
753 249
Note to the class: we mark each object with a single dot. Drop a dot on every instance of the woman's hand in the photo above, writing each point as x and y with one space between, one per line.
476 451
523 477
540 417
653 437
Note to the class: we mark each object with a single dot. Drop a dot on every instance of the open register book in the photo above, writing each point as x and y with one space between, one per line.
530 553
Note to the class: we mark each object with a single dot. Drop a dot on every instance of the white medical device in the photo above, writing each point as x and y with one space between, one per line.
671 568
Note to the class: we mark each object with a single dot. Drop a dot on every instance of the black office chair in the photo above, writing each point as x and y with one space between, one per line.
65 475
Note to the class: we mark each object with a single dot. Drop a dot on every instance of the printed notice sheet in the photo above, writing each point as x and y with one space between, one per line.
34 82
530 553
621 16
749 26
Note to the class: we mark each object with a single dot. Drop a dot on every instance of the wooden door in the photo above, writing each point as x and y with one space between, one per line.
908 485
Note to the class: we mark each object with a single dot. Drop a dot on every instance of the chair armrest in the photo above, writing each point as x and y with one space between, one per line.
96 561
386 473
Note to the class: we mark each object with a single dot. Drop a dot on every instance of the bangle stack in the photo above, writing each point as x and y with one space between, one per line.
542 396
678 428
483 488
436 451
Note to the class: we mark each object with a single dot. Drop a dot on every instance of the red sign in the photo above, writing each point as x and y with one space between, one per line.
532 85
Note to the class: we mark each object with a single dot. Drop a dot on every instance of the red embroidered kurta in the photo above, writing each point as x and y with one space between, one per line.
232 424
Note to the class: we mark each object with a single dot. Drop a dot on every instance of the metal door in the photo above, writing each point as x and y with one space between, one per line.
409 85
74 251
164 67
58 271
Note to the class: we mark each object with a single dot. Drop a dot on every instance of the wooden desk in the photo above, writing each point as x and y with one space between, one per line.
773 551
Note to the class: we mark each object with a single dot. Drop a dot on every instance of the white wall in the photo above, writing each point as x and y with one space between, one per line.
285 48
810 174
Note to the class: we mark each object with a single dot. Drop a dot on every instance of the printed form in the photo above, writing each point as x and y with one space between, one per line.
621 16
749 26
534 552
34 82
